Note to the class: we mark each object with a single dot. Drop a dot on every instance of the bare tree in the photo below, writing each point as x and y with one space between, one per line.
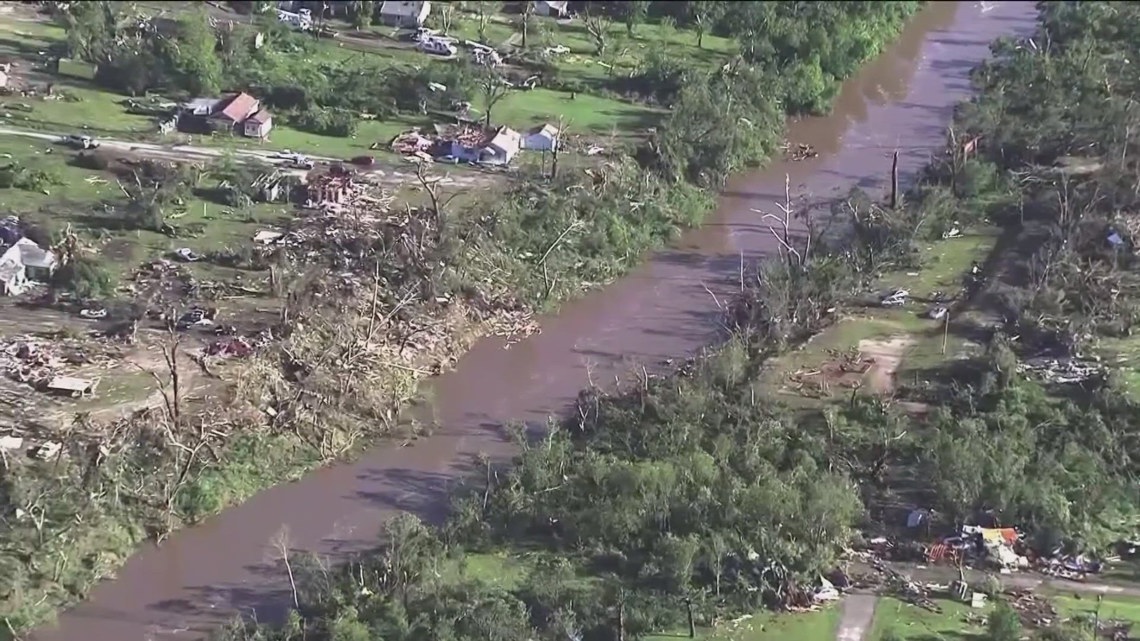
598 26
281 544
785 221
494 89
484 11
525 20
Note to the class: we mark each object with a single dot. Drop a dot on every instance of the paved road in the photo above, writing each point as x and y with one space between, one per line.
193 153
858 610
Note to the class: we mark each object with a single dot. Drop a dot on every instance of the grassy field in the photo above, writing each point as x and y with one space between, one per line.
91 202
589 112
920 341
913 623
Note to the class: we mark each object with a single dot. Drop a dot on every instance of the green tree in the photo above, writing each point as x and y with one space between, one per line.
362 13
702 15
192 57
1004 623
86 278
634 12
485 10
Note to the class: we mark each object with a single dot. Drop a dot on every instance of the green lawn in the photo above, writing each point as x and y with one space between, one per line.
582 113
79 201
917 624
1115 608
768 626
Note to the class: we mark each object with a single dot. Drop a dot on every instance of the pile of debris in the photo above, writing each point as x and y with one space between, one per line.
39 363
1062 371
797 152
163 281
1034 610
844 369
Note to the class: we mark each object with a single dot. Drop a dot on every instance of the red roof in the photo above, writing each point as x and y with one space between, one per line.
261 117
238 107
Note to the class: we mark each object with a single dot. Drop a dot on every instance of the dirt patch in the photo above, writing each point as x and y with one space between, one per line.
886 355
872 365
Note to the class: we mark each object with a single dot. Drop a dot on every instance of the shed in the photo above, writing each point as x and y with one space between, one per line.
552 8
502 147
541 138
76 387
258 125
404 14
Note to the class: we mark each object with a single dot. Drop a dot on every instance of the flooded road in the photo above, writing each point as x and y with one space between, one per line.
903 101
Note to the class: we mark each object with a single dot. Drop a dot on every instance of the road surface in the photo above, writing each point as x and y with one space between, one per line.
194 153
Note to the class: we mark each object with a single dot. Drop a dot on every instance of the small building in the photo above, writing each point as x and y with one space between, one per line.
234 111
22 263
541 138
258 125
72 386
404 14
552 8
39 263
501 148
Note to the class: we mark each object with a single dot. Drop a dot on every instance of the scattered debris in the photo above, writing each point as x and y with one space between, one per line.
186 254
799 151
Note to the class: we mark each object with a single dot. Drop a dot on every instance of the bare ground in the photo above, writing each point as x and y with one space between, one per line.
886 356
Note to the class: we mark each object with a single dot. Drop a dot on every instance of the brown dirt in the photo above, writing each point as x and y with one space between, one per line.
887 356
872 364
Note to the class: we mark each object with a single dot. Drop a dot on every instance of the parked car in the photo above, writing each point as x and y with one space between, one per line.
93 313
80 141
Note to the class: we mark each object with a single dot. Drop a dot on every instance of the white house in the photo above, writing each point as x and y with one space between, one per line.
404 14
552 8
502 147
258 125
541 138
23 262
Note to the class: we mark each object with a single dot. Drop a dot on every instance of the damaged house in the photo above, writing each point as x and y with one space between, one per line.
240 114
409 15
498 147
23 263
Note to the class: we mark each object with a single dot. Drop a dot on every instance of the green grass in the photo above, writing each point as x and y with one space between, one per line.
582 113
1116 608
769 626
78 201
917 624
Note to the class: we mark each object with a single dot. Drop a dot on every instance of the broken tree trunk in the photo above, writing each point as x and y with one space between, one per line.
895 181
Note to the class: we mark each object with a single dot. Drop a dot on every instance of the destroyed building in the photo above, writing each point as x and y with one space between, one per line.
23 263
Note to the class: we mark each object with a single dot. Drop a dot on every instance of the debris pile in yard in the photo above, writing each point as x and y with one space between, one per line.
844 369
162 282
37 361
1062 370
1035 611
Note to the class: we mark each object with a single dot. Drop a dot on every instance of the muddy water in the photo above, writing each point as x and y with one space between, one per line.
665 309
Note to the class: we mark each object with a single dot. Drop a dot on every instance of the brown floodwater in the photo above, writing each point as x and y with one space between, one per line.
664 310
